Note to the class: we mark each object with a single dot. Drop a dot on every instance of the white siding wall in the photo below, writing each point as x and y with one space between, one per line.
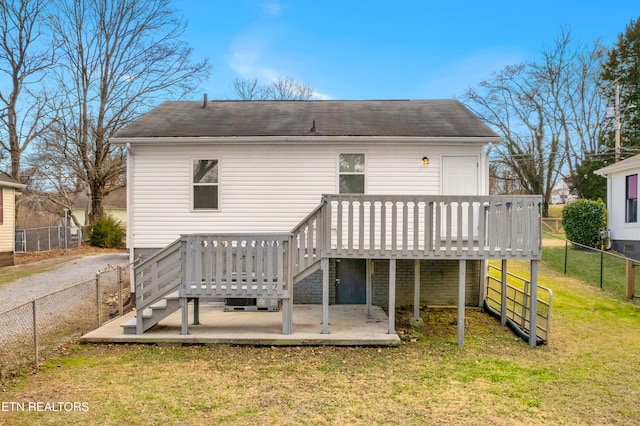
263 188
616 208
7 229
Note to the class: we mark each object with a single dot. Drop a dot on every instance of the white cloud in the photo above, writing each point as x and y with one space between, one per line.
272 9
321 96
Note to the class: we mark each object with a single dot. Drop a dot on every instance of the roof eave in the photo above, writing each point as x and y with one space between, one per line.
13 185
278 140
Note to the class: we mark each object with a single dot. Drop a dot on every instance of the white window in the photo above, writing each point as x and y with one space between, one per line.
631 199
352 174
205 185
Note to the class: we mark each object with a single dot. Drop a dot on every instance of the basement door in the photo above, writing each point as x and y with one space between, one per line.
351 275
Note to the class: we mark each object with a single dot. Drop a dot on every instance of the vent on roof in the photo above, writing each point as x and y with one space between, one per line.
204 103
313 127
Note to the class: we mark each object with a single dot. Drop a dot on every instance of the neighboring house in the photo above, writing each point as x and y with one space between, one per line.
561 194
622 205
248 182
8 190
115 205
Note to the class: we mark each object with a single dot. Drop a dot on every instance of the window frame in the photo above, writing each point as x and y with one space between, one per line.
193 185
631 200
363 173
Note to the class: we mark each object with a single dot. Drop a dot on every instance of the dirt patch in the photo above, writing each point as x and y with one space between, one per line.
553 242
22 258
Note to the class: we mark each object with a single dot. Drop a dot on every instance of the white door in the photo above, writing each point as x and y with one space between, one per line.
460 177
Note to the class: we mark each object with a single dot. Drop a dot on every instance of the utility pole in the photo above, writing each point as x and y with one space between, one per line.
617 116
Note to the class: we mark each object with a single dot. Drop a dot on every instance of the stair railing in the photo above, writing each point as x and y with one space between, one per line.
307 240
157 276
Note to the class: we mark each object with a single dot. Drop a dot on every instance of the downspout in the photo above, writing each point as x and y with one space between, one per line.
132 281
485 175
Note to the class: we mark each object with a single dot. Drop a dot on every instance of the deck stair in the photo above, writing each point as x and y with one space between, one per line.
155 313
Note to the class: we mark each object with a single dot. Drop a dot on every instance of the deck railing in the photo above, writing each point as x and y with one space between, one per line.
307 240
156 276
463 227
232 265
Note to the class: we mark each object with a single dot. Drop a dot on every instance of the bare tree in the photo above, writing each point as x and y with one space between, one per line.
24 58
569 76
511 103
249 89
549 113
283 89
52 184
117 59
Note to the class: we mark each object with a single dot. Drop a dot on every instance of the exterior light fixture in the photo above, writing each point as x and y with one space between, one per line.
425 161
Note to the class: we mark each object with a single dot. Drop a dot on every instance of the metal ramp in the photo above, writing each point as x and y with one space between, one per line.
508 299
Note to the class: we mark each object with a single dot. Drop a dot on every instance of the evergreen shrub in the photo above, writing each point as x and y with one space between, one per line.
107 232
582 221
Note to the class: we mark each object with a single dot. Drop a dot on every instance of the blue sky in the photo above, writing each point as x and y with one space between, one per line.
401 49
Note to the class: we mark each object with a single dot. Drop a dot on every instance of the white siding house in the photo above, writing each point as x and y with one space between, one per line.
340 188
8 189
271 186
622 205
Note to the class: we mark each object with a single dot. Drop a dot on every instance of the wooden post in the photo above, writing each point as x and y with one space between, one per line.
287 304
503 294
484 281
533 300
196 311
392 296
631 280
369 286
462 272
184 305
416 289
325 295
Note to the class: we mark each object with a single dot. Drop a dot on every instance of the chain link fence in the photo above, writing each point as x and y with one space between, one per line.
51 238
34 331
608 270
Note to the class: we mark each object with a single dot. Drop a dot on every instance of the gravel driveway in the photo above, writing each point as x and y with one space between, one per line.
63 275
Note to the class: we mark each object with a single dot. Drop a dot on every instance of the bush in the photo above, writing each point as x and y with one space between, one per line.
107 232
582 221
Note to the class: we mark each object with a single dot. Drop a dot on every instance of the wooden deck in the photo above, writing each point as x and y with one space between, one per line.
343 226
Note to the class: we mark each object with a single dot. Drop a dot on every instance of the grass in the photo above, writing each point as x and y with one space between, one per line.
588 374
11 273
586 264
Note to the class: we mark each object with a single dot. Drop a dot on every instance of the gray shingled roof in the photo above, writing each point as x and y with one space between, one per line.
440 118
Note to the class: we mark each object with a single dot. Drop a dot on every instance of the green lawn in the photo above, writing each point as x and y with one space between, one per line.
588 374
586 265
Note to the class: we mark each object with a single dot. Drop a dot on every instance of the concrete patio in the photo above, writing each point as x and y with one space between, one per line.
348 326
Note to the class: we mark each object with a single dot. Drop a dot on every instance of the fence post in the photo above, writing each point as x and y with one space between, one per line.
35 335
98 300
631 280
120 303
601 266
566 254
